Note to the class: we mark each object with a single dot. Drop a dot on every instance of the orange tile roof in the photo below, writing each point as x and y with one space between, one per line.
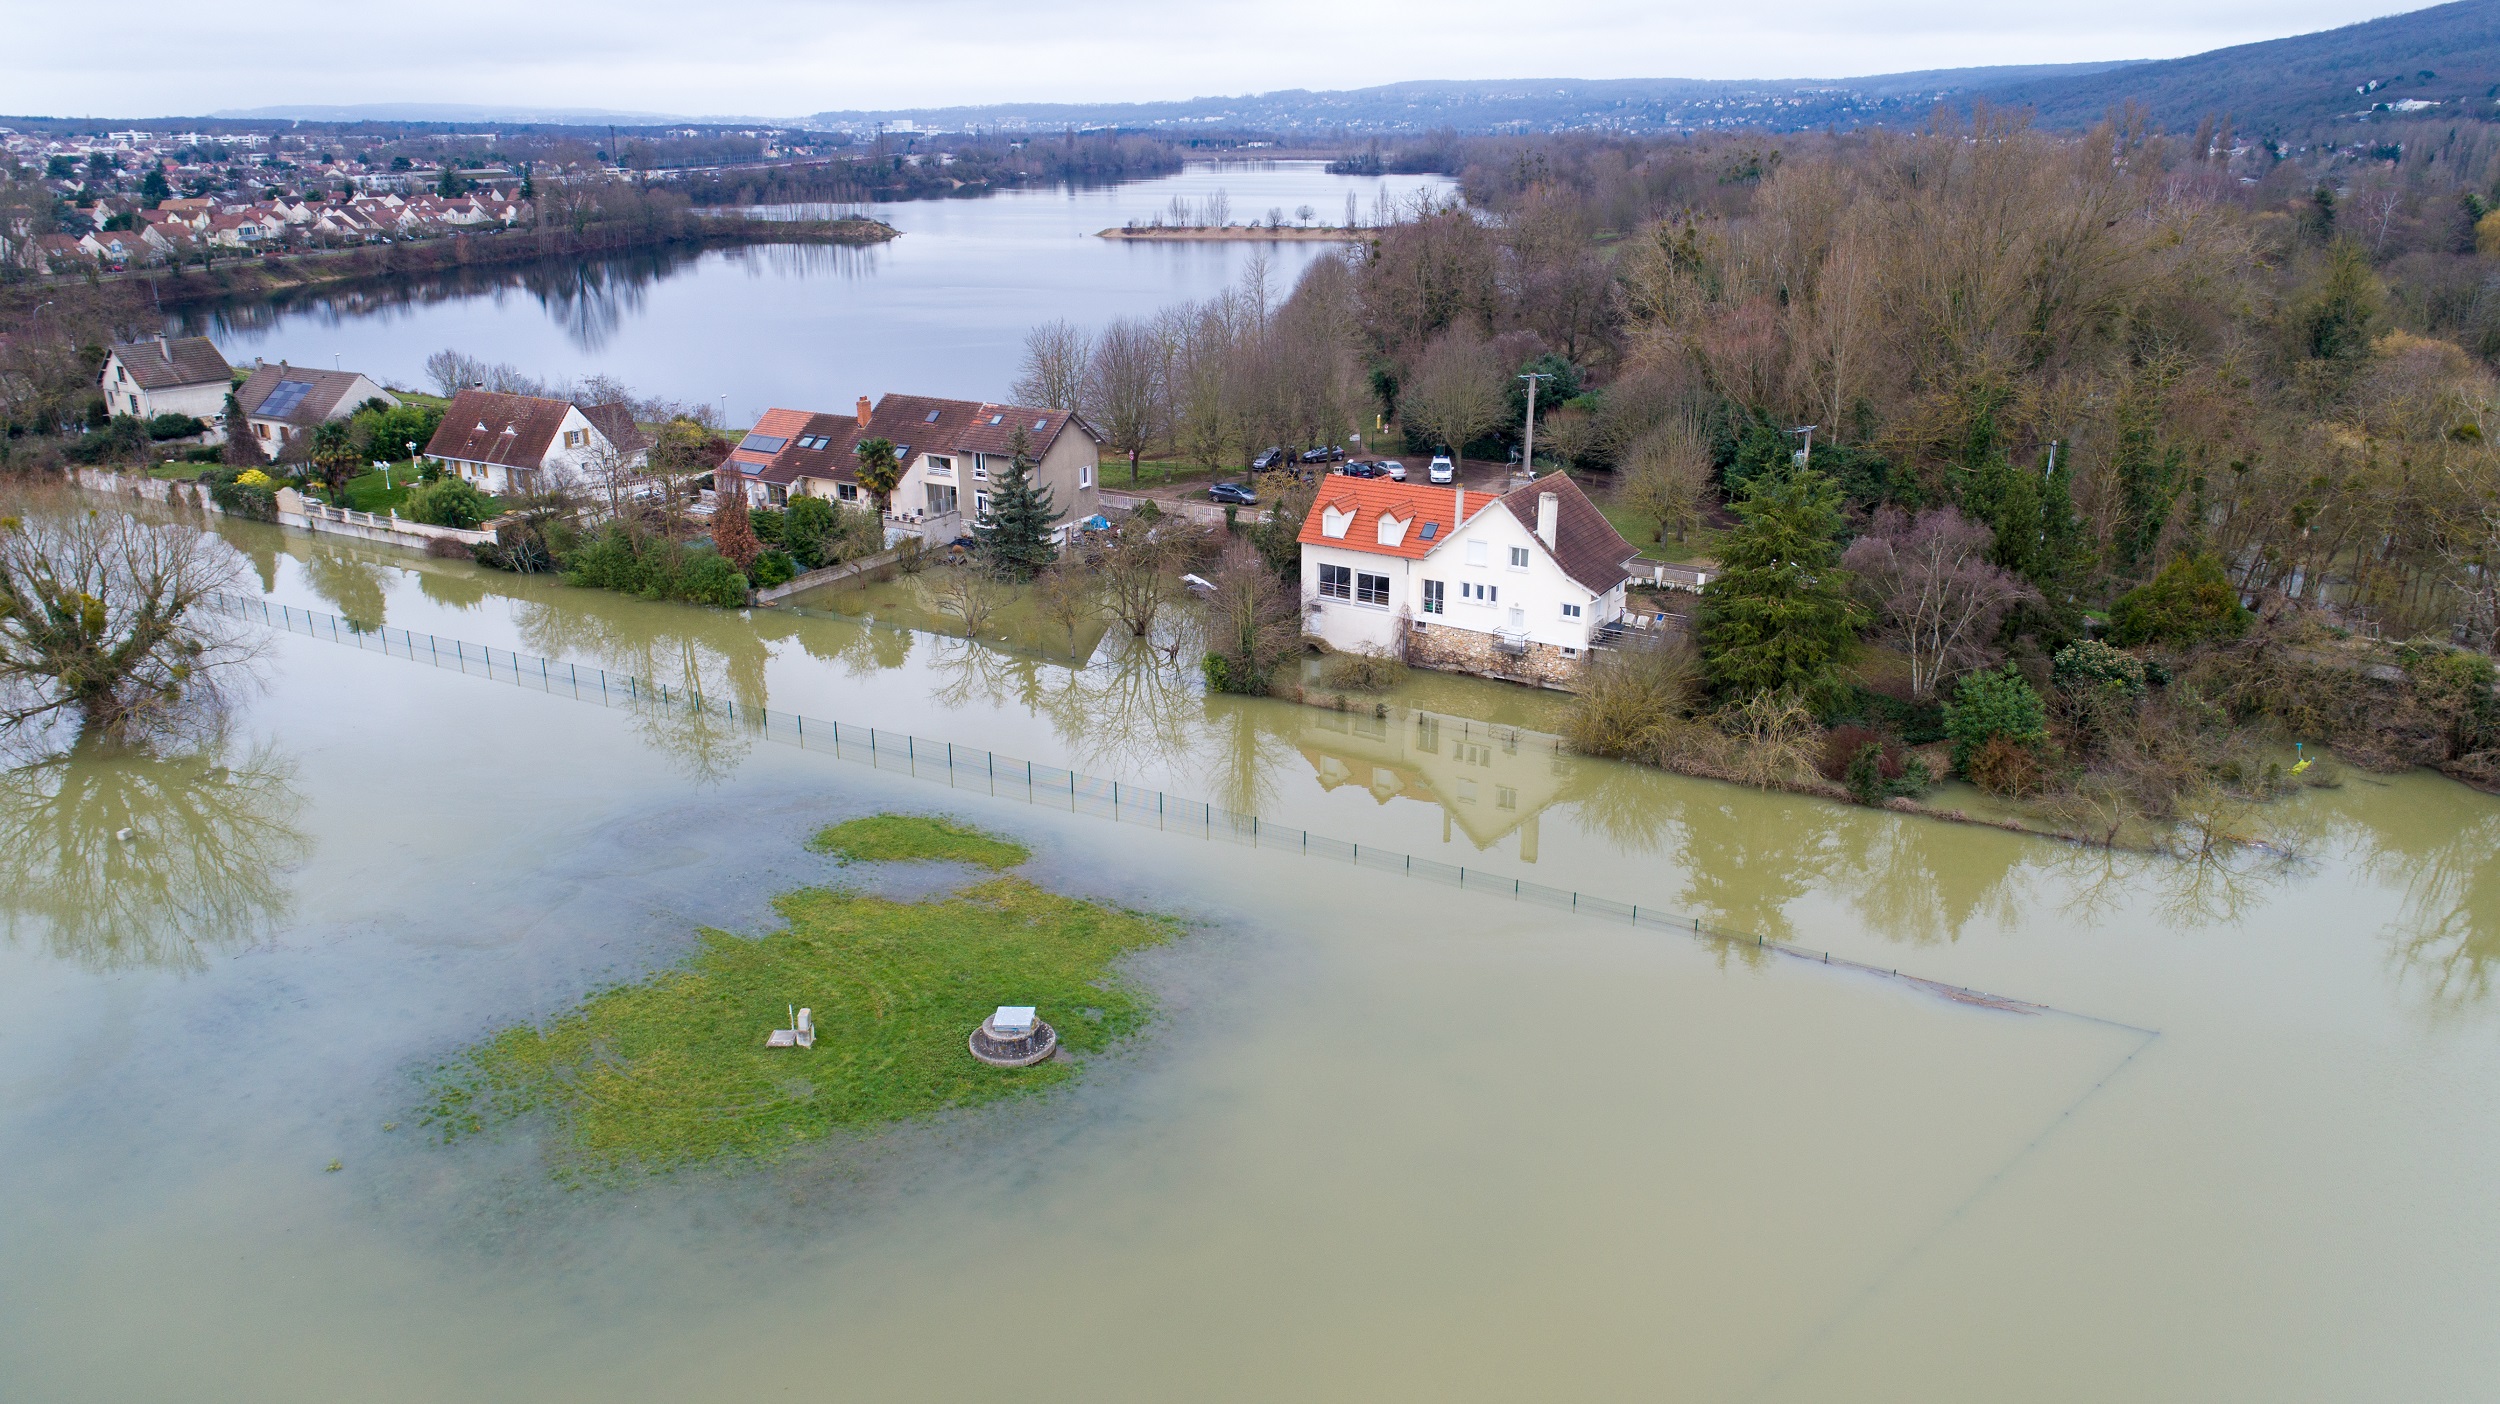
1371 498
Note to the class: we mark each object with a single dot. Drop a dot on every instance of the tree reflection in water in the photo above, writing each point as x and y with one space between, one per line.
201 871
352 584
2445 859
1922 882
589 297
694 653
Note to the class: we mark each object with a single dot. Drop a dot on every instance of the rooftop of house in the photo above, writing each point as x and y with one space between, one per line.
1382 517
786 444
296 394
515 431
164 363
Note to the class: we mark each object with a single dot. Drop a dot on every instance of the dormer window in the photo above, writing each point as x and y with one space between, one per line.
1334 521
1393 529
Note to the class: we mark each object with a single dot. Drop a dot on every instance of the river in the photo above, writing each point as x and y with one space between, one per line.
941 310
1387 1138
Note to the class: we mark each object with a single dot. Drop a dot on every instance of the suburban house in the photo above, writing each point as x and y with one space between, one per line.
283 402
1514 586
177 375
951 451
522 443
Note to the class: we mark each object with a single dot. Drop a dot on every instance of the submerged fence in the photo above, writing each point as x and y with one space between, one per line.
1055 787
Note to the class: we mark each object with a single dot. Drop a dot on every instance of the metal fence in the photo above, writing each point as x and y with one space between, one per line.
1008 777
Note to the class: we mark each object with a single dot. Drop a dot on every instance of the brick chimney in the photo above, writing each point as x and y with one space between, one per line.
863 411
1548 512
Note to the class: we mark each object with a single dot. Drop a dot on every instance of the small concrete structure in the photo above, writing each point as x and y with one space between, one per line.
800 1034
1014 1037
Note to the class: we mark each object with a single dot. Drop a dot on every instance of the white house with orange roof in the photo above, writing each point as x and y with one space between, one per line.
1516 585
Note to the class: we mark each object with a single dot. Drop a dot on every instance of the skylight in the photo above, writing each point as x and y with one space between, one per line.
998 419
1040 424
932 419
1431 530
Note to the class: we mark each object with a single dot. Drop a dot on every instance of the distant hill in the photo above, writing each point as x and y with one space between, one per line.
1492 105
2447 59
456 112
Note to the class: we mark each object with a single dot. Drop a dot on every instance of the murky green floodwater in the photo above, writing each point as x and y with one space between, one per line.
1387 1140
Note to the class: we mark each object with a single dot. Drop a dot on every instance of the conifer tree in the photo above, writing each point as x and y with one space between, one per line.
242 450
1016 538
1779 614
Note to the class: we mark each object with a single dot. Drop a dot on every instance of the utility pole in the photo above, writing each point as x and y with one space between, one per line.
1805 456
1527 453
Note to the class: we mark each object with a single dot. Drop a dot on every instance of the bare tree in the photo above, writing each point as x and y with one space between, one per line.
1935 589
1069 598
1053 375
1667 478
1123 390
1456 391
1139 570
453 371
1253 624
970 597
110 617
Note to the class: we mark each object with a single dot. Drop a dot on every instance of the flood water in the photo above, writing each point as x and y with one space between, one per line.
941 310
1385 1139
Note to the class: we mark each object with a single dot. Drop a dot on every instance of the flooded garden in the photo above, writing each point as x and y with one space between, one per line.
1330 1124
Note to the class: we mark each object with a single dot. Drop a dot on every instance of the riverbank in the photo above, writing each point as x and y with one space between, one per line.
1238 234
252 276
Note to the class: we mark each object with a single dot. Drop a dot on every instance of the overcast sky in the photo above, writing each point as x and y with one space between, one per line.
792 57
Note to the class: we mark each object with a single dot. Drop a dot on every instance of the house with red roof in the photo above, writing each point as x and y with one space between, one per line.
527 443
952 452
1515 585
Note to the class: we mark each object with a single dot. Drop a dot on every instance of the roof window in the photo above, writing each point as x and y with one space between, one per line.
1041 424
998 419
932 419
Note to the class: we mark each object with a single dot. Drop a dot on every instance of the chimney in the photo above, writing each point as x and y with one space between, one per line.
1548 511
1458 514
164 348
863 411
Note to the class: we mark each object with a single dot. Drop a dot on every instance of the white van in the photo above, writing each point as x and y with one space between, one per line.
1443 472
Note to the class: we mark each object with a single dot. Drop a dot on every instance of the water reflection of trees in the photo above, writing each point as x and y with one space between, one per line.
694 653
590 298
2444 860
352 585
202 869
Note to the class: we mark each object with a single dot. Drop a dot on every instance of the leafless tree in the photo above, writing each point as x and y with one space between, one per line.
1139 570
1053 374
1938 594
1666 477
1253 624
453 371
971 597
111 617
1069 598
1123 389
1456 390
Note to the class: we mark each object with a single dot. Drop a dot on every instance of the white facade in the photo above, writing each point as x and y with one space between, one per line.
1492 574
125 395
571 450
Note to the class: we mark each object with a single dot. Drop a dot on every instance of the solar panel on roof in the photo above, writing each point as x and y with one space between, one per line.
283 400
762 443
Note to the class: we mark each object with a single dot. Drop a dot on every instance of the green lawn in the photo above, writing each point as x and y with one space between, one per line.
366 493
917 838
1698 545
179 472
672 1070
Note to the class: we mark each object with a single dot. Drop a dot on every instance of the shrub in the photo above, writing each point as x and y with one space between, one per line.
1361 672
2003 766
446 502
175 426
2454 686
253 477
1842 745
250 494
710 579
774 568
1632 701
2091 664
120 438
2192 600
451 549
1990 706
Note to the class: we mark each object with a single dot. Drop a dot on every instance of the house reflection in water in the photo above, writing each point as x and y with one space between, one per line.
1489 781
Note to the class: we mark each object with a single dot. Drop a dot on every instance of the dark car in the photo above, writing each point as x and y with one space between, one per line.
1273 458
1363 469
1233 493
1329 454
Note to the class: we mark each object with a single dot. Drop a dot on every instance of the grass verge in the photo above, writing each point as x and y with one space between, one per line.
906 838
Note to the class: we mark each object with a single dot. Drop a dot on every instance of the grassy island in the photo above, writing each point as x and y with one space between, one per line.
672 1070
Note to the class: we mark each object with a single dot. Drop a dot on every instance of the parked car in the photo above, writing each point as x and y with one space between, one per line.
1443 472
1363 470
1233 493
1329 454
1395 469
1274 458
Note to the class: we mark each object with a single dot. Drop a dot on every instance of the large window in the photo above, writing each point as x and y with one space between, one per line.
1336 582
1433 597
1371 589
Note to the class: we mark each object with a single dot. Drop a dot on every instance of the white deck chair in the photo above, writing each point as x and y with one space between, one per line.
800 1034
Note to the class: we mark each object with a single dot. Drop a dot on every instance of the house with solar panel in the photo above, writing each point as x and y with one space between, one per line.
167 375
282 404
1517 585
531 444
951 452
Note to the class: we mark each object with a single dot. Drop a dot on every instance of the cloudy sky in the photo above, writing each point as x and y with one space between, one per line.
792 57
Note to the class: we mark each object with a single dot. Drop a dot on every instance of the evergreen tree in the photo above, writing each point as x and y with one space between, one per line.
153 187
242 449
1016 538
1779 613
2149 478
